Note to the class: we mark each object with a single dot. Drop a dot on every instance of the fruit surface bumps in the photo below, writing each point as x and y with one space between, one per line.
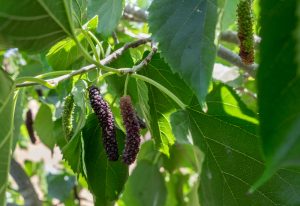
132 126
107 123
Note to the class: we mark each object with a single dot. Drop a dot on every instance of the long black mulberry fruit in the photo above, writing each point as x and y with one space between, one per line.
67 117
107 123
245 31
29 126
132 126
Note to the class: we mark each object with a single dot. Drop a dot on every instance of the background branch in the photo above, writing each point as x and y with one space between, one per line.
232 37
235 59
26 188
135 13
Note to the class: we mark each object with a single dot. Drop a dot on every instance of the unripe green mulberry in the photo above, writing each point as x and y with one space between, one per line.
107 123
132 126
67 117
245 31
29 126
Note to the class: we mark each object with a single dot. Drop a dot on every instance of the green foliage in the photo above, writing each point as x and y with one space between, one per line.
279 99
205 143
109 13
106 178
20 22
187 28
44 126
64 54
6 133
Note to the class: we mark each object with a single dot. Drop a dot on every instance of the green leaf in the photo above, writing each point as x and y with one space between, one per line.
44 126
145 186
6 132
64 54
227 13
106 178
185 31
184 166
161 106
60 186
34 25
109 12
72 153
18 116
79 11
279 99
233 161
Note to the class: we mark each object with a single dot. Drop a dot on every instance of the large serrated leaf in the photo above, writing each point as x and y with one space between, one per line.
34 25
106 178
233 161
109 12
6 132
279 86
161 106
185 31
151 191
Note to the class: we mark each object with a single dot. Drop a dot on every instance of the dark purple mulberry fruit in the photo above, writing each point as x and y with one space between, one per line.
107 123
29 126
132 126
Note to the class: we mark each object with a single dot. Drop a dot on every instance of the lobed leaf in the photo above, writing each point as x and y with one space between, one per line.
233 160
185 31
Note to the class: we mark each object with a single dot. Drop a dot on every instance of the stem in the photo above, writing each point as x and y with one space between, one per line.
53 74
97 42
86 34
110 58
91 60
34 80
126 84
162 88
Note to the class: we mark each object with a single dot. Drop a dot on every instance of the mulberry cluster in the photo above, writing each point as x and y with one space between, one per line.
29 126
107 123
132 126
67 117
245 31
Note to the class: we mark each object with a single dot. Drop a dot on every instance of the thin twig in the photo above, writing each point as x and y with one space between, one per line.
232 37
110 58
142 64
234 59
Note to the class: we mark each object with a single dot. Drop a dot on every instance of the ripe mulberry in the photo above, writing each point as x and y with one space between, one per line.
29 126
107 123
67 117
245 31
132 126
